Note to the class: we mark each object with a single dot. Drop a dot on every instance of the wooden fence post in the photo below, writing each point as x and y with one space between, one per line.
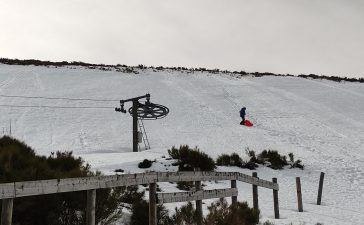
299 194
255 193
320 188
275 200
7 211
91 207
234 199
152 204
198 204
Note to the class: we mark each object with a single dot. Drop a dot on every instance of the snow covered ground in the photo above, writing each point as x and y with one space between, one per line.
321 122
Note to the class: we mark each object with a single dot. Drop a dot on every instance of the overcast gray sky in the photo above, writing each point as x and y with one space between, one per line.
281 36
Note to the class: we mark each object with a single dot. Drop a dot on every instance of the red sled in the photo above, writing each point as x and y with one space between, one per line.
247 123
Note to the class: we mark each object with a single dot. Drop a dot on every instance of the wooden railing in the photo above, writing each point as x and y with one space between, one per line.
9 191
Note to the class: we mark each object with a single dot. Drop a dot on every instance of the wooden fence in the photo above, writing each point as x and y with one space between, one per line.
9 191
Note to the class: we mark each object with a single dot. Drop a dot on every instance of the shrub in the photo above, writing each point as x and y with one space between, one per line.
295 164
268 223
270 157
18 162
250 165
253 157
186 215
145 164
274 158
140 214
223 160
185 185
240 214
108 204
229 160
235 160
189 159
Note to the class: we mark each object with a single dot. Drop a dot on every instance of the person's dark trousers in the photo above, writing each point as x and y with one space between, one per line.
243 121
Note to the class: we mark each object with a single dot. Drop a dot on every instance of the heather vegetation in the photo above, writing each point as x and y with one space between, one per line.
219 213
189 159
134 69
270 158
18 162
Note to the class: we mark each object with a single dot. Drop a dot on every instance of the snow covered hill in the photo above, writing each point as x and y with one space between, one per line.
321 122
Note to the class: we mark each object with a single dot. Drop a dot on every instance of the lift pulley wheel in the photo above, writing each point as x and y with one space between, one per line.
150 111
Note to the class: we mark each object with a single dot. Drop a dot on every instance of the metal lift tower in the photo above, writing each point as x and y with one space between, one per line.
146 111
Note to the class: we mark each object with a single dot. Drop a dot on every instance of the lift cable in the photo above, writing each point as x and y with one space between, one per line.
57 107
59 98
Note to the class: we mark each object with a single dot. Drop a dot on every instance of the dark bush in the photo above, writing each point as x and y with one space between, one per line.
18 162
229 160
185 185
235 160
130 69
270 157
223 160
219 214
140 214
295 164
186 215
222 214
145 164
250 165
274 158
190 159
253 160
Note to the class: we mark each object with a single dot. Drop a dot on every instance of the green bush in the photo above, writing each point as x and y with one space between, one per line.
145 164
185 185
219 214
186 215
190 159
274 158
140 214
253 157
250 165
223 160
270 157
229 160
295 164
240 214
234 160
18 162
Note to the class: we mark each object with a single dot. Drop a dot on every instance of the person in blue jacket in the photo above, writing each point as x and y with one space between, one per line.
242 115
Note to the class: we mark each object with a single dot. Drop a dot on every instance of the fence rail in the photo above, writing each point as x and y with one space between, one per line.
43 187
195 195
9 191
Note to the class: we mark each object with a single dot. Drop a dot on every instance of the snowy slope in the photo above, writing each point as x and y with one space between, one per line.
321 122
